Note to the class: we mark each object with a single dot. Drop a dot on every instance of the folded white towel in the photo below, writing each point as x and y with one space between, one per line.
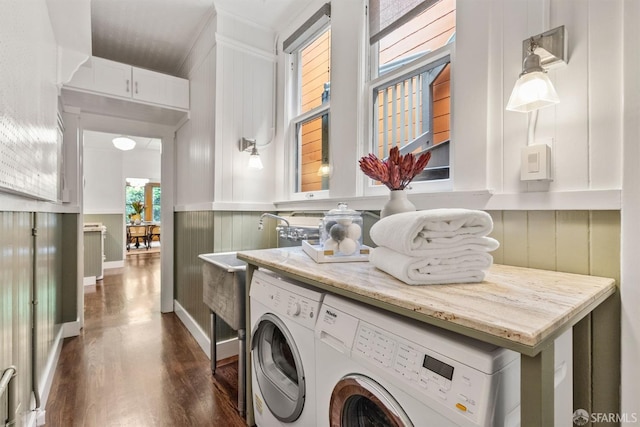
418 233
465 267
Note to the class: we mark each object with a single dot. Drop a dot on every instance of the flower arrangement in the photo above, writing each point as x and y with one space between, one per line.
397 171
137 206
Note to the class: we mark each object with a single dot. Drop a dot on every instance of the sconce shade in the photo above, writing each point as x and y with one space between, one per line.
532 91
325 170
254 159
123 143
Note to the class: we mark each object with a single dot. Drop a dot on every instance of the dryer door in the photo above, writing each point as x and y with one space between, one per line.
358 401
278 368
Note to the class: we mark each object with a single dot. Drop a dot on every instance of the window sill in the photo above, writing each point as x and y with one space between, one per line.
477 199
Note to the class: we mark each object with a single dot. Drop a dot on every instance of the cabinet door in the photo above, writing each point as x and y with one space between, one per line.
150 86
160 88
111 77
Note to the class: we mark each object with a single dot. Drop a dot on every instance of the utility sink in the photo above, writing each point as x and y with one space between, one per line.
224 287
223 282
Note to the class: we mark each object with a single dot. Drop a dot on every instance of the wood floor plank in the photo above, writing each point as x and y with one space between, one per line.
134 366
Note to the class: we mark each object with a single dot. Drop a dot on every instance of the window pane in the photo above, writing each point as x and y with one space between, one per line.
313 150
156 203
427 32
413 113
132 194
315 71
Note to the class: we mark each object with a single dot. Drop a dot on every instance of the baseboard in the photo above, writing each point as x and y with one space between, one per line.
224 349
87 281
113 264
46 380
71 329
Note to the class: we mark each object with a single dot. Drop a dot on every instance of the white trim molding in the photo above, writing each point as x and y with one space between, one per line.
71 329
224 349
245 48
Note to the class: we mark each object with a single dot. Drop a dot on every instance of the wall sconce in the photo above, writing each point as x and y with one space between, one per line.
246 144
123 143
533 90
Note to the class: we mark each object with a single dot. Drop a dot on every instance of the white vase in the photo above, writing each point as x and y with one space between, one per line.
398 203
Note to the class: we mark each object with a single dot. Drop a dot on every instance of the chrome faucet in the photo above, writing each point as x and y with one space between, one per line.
261 225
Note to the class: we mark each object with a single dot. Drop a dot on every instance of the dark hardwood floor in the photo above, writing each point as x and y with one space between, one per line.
133 366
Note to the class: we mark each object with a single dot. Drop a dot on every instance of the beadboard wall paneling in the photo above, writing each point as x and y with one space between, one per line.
585 128
194 235
114 240
49 286
200 50
72 258
195 139
205 232
582 242
16 279
244 108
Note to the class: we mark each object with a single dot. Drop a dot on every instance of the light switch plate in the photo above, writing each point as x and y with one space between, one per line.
536 163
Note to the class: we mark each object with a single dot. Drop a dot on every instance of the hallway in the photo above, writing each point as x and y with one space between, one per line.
133 366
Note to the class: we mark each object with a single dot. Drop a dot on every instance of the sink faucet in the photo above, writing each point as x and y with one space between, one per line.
261 226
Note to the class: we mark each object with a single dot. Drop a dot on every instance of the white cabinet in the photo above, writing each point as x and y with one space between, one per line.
122 80
160 88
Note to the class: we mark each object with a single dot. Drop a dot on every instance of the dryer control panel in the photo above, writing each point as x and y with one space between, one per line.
297 303
451 385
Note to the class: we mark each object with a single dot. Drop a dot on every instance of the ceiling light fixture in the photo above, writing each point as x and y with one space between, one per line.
137 182
124 143
246 144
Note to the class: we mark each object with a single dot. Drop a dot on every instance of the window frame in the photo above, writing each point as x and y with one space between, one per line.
397 74
295 119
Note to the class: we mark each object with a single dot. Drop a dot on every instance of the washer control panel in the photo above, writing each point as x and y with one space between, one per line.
453 385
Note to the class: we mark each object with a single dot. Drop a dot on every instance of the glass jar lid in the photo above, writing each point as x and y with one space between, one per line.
343 209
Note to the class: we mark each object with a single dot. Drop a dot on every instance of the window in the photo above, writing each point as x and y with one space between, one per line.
410 79
310 51
149 194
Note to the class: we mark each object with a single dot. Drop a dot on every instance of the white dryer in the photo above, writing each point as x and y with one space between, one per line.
375 368
283 316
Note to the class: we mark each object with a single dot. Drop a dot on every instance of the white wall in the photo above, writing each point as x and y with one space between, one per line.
105 173
103 181
231 70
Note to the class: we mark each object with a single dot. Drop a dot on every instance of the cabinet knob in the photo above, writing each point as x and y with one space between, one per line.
136 87
127 85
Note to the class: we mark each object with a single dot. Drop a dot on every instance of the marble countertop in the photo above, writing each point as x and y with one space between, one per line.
514 307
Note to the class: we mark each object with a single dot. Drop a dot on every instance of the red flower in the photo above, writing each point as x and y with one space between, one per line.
397 171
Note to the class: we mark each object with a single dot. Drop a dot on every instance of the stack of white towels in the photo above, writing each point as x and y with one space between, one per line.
434 246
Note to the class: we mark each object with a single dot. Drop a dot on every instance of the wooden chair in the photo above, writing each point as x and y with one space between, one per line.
154 232
135 233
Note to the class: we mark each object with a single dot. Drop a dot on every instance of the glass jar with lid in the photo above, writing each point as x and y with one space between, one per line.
341 231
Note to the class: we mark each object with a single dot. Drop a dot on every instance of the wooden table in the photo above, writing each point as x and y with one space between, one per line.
521 309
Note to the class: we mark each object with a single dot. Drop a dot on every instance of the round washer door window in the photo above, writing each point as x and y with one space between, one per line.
278 368
359 401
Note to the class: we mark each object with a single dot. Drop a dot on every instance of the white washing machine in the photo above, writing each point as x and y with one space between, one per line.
283 316
375 368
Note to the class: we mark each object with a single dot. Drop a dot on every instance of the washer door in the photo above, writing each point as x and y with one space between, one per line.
359 401
278 368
